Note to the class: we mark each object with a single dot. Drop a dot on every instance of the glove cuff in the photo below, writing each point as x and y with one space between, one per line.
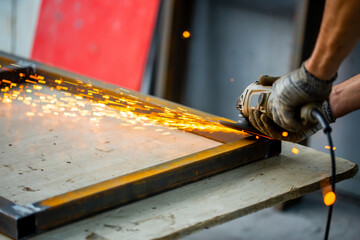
315 87
313 78
327 111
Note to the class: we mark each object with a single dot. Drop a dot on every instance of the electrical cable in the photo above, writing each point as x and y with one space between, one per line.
316 113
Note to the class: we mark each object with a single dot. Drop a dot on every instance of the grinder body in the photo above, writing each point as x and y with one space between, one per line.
257 95
254 96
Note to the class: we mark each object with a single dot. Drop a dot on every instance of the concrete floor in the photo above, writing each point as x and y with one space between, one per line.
305 220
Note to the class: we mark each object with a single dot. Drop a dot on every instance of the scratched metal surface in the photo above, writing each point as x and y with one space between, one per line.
46 155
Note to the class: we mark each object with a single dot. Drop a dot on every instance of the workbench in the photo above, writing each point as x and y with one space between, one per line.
212 201
73 147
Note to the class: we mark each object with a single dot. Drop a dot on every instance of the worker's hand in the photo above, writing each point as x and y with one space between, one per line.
292 91
267 126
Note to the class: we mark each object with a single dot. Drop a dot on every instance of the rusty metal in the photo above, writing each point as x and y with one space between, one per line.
20 221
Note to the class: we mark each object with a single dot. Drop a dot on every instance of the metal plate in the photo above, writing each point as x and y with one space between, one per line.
69 154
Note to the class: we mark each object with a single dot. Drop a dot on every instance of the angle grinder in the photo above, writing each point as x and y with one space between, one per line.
256 96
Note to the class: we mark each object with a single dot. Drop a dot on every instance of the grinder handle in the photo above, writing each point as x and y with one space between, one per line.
307 118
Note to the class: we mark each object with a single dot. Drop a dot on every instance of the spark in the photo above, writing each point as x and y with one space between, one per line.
29 81
6 81
328 147
79 100
6 100
329 198
182 109
186 34
295 150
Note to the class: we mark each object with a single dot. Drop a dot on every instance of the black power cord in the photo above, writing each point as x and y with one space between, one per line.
318 115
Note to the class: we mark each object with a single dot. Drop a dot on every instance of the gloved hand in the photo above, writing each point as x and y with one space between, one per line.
292 91
266 125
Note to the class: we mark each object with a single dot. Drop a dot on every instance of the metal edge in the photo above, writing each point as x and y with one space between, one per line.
87 201
16 221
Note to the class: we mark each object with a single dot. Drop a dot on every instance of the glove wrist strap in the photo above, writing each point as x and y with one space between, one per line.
327 111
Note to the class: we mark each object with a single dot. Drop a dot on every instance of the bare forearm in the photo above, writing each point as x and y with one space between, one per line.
344 97
339 33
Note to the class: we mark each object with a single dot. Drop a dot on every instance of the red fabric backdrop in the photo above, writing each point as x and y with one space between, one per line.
104 39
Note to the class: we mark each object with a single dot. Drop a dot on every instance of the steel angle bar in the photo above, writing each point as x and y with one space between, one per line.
16 221
147 182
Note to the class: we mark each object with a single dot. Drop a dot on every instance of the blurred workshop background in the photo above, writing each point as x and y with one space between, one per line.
201 53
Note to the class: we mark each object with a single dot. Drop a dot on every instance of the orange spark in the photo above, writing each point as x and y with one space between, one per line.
186 34
29 81
328 147
128 108
295 150
329 198
6 81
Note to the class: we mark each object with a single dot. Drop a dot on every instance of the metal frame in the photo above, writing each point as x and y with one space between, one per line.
21 221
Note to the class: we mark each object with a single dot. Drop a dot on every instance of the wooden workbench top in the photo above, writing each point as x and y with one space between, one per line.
212 201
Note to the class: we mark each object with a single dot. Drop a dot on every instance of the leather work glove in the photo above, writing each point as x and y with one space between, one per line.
266 125
292 91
